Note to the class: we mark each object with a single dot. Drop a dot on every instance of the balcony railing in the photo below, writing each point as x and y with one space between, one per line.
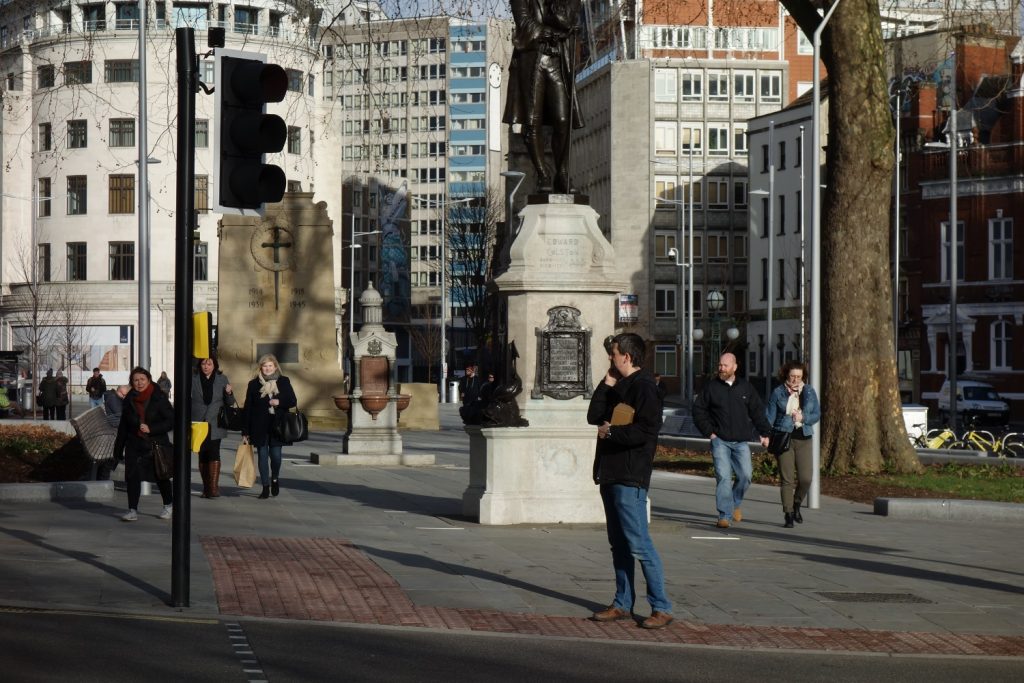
977 161
161 25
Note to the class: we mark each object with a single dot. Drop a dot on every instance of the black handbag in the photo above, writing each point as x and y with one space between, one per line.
231 418
778 442
163 461
291 427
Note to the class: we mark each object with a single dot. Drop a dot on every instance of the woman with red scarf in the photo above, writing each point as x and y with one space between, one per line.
147 417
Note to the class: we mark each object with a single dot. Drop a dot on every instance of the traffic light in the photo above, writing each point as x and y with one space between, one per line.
204 341
244 132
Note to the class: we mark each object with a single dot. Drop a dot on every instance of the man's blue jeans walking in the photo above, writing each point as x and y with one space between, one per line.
625 509
730 457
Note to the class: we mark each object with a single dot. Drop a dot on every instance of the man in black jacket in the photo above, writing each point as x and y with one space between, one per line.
622 468
727 411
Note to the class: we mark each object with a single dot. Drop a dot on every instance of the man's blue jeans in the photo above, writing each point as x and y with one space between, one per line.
95 402
625 510
271 468
730 457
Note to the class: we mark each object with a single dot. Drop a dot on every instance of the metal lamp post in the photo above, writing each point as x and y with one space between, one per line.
715 300
814 494
443 205
352 273
685 332
687 275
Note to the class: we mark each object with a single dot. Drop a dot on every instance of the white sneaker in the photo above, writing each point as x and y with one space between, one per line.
130 516
166 512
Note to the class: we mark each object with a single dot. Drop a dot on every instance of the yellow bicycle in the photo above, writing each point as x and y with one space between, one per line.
934 439
1006 446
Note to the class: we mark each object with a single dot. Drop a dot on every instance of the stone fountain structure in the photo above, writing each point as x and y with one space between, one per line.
373 405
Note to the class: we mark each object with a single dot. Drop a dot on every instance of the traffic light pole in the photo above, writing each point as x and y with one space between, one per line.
183 273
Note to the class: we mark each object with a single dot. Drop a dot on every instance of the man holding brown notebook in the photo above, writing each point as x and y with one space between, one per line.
627 410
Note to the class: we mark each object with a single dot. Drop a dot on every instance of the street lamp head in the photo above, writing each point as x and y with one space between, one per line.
732 333
698 334
512 174
672 252
715 300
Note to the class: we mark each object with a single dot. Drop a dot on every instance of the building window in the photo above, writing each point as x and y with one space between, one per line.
44 197
692 86
764 279
739 248
202 197
45 137
718 193
77 134
739 141
771 87
202 133
782 154
743 86
46 76
798 269
718 248
739 193
665 85
944 256
1000 249
664 301
718 140
739 301
804 46
77 195
765 159
781 293
1001 352
43 267
121 71
718 87
77 73
691 137
76 261
665 188
665 138
294 80
765 216
121 194
202 262
664 241
697 187
782 215
665 361
122 132
294 140
122 260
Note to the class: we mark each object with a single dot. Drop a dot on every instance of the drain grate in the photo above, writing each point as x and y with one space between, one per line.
904 598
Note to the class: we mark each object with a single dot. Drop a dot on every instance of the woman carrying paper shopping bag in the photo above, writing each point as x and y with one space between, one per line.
268 397
210 391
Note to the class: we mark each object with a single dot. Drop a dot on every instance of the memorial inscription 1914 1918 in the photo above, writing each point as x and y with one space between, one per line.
563 356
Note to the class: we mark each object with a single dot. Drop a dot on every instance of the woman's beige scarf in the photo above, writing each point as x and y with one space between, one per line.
268 386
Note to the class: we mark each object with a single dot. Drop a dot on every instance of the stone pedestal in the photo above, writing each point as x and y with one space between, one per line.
544 473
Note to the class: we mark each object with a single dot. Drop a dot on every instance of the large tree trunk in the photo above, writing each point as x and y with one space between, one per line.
862 420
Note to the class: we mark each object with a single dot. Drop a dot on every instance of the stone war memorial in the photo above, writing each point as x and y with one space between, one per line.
276 296
560 289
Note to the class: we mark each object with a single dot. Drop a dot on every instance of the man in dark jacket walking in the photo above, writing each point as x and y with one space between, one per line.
96 387
627 409
727 411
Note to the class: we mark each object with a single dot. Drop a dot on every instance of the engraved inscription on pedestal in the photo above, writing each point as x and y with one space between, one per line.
563 356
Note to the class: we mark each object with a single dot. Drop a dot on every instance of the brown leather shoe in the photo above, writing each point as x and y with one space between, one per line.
737 515
613 613
723 524
657 620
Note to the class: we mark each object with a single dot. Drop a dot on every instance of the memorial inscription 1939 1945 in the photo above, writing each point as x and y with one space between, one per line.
563 356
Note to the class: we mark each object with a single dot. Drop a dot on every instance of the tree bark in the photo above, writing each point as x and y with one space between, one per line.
862 419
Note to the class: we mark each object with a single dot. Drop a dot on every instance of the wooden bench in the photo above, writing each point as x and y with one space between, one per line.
97 437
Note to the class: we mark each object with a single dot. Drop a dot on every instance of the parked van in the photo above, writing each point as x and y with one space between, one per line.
974 401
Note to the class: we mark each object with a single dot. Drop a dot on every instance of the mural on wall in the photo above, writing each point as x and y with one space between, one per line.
107 347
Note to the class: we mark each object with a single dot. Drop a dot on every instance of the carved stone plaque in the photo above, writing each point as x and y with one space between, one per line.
563 356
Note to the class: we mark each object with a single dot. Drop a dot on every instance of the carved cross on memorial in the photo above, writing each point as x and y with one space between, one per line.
277 238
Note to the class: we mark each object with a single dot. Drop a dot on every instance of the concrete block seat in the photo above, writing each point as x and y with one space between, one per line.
97 437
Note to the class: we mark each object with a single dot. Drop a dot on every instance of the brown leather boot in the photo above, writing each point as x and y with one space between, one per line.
214 479
204 472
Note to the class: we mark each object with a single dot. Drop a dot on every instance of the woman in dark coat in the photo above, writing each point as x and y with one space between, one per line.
147 417
211 390
267 398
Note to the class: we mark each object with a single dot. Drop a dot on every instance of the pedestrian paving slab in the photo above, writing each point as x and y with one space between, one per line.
390 546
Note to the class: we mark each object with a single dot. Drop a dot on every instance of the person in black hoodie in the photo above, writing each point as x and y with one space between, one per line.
727 411
623 462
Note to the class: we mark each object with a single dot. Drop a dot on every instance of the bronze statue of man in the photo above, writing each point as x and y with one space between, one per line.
542 89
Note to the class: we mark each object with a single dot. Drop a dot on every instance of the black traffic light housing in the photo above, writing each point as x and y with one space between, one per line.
244 132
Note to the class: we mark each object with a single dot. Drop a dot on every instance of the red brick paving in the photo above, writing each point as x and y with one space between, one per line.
329 579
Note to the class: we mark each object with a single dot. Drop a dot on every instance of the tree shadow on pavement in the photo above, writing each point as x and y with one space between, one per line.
422 562
89 559
915 573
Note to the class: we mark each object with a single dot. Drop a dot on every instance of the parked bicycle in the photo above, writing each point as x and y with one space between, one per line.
935 438
1009 445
